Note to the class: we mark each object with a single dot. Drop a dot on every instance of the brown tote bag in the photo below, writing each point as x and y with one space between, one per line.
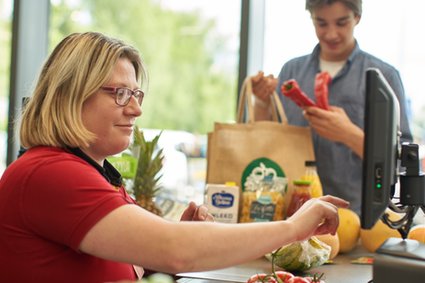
253 149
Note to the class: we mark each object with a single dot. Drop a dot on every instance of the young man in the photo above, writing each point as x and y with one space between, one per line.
337 133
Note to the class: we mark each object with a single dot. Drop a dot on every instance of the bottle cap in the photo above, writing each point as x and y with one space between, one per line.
309 163
302 182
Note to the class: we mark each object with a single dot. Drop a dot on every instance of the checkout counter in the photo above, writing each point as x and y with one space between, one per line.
395 261
341 270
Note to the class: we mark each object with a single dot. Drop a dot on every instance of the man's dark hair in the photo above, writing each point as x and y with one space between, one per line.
353 5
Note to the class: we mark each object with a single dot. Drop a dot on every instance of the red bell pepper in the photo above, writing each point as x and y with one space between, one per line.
292 90
321 89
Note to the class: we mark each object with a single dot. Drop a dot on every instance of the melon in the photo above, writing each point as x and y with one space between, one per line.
348 230
301 256
417 233
332 241
373 238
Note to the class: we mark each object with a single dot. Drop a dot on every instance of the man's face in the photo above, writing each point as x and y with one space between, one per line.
334 25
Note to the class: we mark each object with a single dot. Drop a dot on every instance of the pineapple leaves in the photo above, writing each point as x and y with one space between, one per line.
150 161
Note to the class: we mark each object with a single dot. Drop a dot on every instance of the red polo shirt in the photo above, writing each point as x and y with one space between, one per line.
49 199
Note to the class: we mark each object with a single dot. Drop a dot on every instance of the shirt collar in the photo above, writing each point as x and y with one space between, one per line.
316 52
354 53
315 59
107 171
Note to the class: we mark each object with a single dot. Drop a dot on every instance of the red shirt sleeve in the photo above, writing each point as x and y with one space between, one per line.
66 198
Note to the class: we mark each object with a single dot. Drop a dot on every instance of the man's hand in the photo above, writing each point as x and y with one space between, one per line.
335 125
196 213
263 87
332 125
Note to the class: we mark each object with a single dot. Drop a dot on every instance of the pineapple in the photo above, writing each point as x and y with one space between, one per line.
146 181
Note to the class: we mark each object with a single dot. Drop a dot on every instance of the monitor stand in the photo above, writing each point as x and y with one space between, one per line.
399 260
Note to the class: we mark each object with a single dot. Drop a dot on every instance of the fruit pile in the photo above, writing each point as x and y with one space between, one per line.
284 277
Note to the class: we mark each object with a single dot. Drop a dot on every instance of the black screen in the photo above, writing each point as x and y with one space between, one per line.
382 119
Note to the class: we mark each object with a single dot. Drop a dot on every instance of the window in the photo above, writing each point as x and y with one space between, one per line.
6 7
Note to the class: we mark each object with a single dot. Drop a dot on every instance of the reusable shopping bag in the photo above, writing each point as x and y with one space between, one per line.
250 151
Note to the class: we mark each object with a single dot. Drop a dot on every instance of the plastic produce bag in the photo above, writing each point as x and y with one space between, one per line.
301 256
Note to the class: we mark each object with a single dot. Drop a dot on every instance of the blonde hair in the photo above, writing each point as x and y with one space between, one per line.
78 66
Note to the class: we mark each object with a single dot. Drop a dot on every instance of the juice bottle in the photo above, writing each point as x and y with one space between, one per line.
301 194
311 175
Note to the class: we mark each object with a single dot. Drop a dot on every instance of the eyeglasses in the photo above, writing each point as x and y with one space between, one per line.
124 94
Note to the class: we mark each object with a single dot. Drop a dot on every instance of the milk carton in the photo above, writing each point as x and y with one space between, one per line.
222 201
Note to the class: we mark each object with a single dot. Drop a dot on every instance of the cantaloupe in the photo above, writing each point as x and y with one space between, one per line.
417 233
373 238
348 230
301 256
332 241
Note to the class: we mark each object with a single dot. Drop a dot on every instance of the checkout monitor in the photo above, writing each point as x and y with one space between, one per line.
381 142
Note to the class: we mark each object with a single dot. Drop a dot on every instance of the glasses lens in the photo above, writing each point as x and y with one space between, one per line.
139 95
123 96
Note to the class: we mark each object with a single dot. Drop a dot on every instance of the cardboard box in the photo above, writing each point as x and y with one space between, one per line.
222 201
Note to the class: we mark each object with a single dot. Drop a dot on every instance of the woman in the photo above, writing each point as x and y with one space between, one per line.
64 214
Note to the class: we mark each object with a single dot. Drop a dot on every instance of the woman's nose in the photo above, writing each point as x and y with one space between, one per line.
133 107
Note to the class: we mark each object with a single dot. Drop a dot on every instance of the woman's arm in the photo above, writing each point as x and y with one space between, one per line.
131 234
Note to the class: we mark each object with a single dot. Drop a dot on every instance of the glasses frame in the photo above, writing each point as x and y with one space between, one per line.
137 93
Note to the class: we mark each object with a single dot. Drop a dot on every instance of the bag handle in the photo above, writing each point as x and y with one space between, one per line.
246 105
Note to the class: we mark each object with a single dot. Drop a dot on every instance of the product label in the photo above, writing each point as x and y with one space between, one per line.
260 169
222 200
262 210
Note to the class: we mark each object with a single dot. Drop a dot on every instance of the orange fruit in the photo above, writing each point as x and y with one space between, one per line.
417 233
373 238
348 229
332 241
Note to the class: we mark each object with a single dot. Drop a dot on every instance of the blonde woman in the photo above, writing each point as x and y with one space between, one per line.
64 213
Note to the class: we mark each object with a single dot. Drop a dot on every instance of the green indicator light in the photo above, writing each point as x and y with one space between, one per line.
378 186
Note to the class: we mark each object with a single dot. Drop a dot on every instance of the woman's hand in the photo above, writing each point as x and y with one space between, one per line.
317 216
196 213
